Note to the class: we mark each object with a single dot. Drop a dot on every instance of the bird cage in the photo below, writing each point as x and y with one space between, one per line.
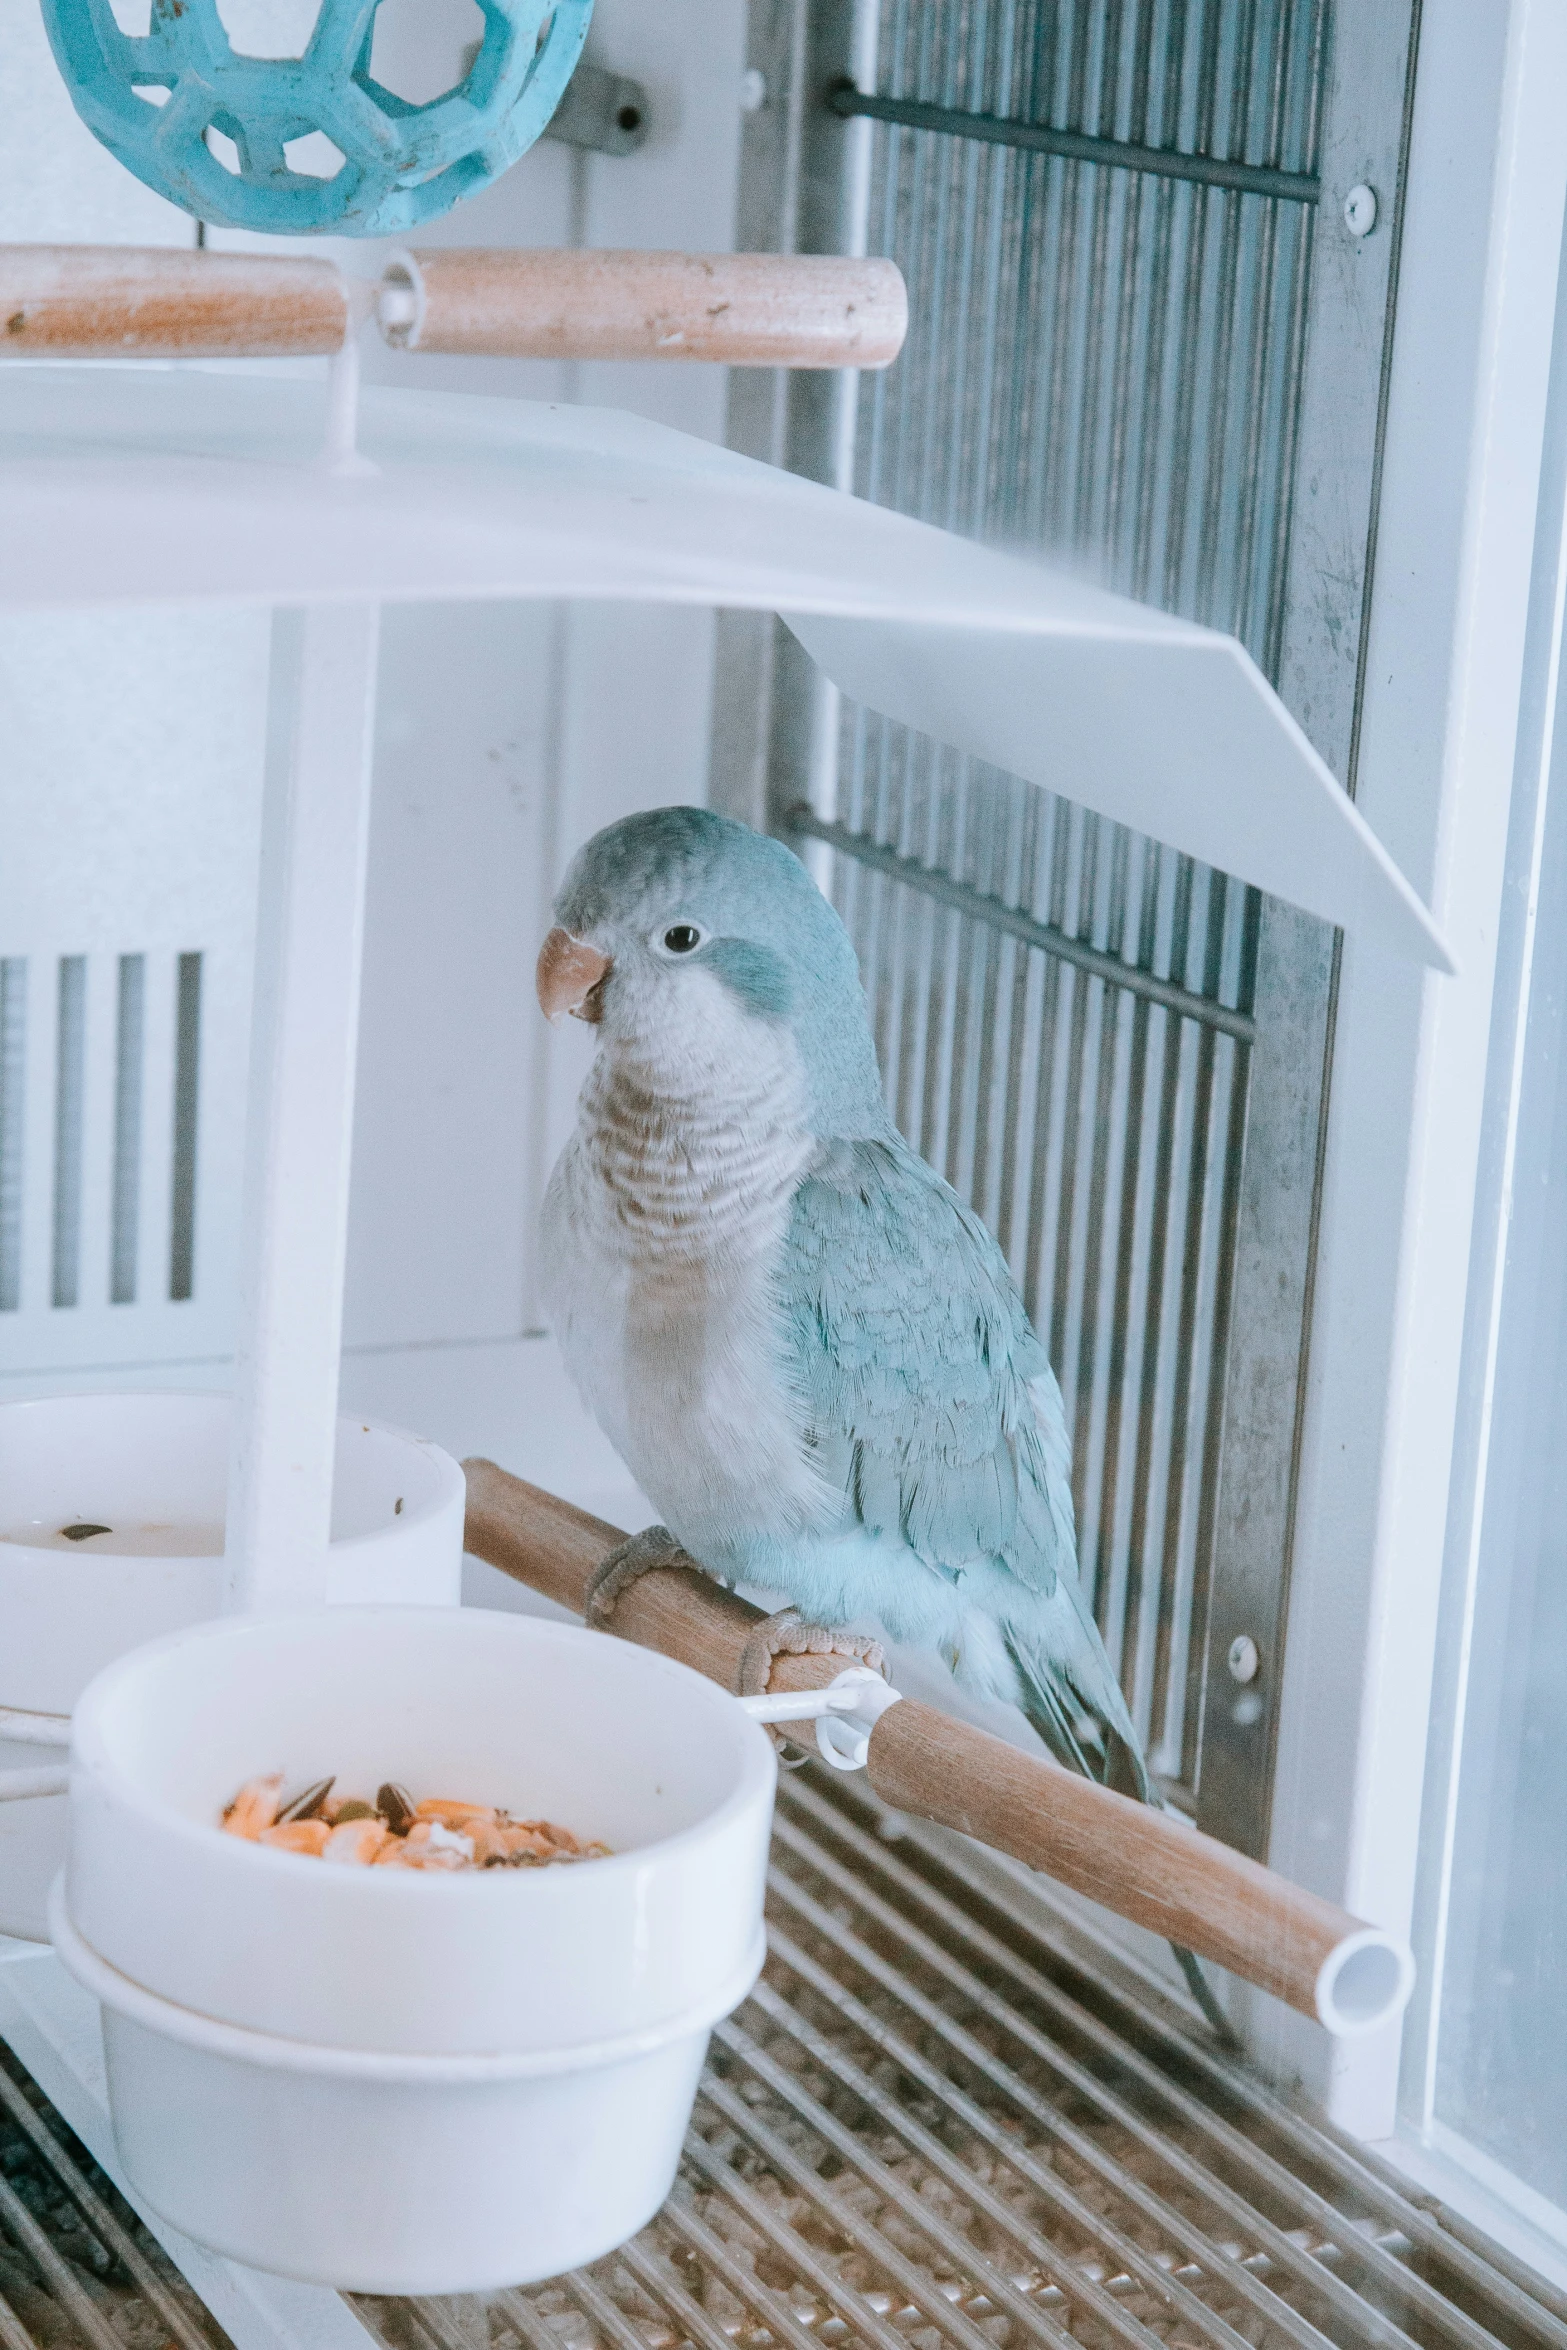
326 510
945 721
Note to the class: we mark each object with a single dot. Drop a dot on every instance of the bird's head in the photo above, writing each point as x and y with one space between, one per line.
681 924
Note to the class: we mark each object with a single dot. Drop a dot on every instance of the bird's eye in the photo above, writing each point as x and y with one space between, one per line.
682 938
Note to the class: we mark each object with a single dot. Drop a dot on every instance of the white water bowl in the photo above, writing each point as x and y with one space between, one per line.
136 1464
383 2080
145 1462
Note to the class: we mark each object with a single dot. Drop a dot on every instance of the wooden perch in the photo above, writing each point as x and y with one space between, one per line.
124 302
1140 1862
743 309
746 309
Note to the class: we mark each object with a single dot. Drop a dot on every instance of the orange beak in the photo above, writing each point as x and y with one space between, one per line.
569 976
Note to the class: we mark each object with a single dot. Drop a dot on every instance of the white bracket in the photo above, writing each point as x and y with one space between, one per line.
845 1712
19 1728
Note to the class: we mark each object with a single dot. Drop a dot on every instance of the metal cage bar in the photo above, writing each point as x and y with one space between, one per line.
1110 364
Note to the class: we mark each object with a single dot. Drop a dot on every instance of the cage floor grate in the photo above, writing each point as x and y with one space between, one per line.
937 2124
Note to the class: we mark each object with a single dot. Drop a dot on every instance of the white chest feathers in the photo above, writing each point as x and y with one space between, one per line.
661 1232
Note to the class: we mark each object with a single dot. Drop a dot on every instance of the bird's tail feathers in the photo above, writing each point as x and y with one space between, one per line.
1093 1734
1076 1706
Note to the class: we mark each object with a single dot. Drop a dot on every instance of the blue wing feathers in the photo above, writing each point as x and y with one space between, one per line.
929 1401
908 1339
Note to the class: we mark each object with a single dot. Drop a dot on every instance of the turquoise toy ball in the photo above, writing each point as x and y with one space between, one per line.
312 143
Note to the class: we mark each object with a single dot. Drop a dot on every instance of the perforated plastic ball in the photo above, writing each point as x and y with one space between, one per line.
311 142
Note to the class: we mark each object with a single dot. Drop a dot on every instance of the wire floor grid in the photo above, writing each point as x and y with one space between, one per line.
941 2122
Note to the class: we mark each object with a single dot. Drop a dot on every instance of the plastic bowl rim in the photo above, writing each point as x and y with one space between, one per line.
447 1467
757 1773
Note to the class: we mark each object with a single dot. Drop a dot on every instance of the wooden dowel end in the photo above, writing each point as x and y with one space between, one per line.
1142 1863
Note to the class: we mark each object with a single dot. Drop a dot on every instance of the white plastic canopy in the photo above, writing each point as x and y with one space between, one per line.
155 485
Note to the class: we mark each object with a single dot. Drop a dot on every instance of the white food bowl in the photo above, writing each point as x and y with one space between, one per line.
153 1468
383 2080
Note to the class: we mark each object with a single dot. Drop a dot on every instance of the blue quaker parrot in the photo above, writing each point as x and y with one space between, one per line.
810 1354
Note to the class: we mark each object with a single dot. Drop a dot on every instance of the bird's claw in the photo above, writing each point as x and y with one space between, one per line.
654 1547
788 1634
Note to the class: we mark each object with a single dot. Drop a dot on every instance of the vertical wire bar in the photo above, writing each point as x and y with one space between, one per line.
1224 1285
874 900
1189 346
1017 1037
95 1212
187 1117
70 1065
1044 1099
903 980
918 1076
1267 220
1186 1341
961 992
957 345
1087 878
942 933
1107 1055
1165 202
946 943
1231 216
1050 190
155 1175
13 1098
1271 650
990 488
893 793
959 1063
1100 191
125 1205
1142 1540
1121 1297
1069 178
1133 201
1315 78
935 159
987 948
890 954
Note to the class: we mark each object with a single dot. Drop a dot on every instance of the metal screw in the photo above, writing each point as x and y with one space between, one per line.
1360 210
753 90
1244 1658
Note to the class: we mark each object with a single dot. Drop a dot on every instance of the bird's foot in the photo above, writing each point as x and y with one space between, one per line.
654 1547
788 1634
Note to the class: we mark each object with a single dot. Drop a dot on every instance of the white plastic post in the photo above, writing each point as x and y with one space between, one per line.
304 1032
